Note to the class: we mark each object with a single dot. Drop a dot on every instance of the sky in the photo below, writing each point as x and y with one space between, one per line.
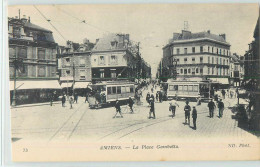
150 24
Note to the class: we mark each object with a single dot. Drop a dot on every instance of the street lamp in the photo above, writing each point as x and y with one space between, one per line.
18 62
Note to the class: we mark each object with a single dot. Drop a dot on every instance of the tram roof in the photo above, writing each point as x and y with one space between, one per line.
113 83
187 82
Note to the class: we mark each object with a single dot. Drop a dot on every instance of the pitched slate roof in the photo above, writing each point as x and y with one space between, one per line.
105 43
35 27
189 35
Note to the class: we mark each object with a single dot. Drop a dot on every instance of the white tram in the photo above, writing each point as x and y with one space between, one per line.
189 90
108 92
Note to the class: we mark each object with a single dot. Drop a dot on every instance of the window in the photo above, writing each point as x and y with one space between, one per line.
181 71
118 90
113 59
208 48
193 49
224 61
41 71
227 52
193 60
212 49
41 54
12 51
131 89
113 73
68 72
190 88
185 60
171 88
114 90
212 70
224 51
208 59
177 60
201 70
193 71
102 74
185 87
180 87
109 90
220 61
197 70
201 49
201 59
123 90
185 71
176 87
189 70
81 61
208 70
127 89
178 51
24 71
217 60
212 60
217 50
220 51
195 88
185 50
67 60
82 74
101 60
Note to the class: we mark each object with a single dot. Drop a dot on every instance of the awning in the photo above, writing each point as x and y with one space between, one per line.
46 84
66 85
223 81
81 85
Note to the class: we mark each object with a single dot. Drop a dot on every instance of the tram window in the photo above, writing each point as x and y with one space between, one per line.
185 87
114 90
131 89
171 88
190 87
176 87
109 90
127 88
119 90
195 88
123 90
180 87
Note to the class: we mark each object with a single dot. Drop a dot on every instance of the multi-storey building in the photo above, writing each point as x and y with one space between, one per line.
74 64
252 80
236 68
113 58
32 62
200 55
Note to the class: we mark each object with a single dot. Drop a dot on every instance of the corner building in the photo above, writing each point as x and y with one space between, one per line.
200 55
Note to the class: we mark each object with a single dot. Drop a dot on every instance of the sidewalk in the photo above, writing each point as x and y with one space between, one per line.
35 104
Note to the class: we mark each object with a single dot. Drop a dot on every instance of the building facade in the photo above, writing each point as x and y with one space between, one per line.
114 58
200 55
74 65
236 67
32 61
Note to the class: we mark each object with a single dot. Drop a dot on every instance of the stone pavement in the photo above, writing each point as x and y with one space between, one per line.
56 123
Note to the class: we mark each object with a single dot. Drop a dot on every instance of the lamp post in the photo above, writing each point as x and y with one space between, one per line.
17 64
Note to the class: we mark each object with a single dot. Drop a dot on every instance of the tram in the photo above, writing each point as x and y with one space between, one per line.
189 90
106 93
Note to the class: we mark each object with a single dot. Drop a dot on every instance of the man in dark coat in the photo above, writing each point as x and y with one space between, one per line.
223 92
160 96
148 97
118 109
131 103
76 98
152 109
187 110
63 100
211 106
194 117
221 108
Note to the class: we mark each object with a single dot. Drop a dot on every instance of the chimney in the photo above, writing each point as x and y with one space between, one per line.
29 19
223 36
97 40
186 34
175 36
208 31
24 19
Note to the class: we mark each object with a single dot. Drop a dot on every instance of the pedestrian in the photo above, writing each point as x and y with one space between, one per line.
152 97
152 89
194 117
76 98
187 110
63 100
151 109
160 96
130 104
86 99
118 109
172 107
231 94
221 108
198 101
147 97
223 93
51 99
157 96
211 106
71 102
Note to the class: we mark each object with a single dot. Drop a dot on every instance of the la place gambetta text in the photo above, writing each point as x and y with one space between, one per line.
138 147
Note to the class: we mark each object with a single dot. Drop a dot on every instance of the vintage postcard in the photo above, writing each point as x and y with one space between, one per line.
134 82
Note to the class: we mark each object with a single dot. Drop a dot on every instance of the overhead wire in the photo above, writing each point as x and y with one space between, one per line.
81 20
49 21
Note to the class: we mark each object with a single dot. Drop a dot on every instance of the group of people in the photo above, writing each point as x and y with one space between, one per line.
212 107
71 100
